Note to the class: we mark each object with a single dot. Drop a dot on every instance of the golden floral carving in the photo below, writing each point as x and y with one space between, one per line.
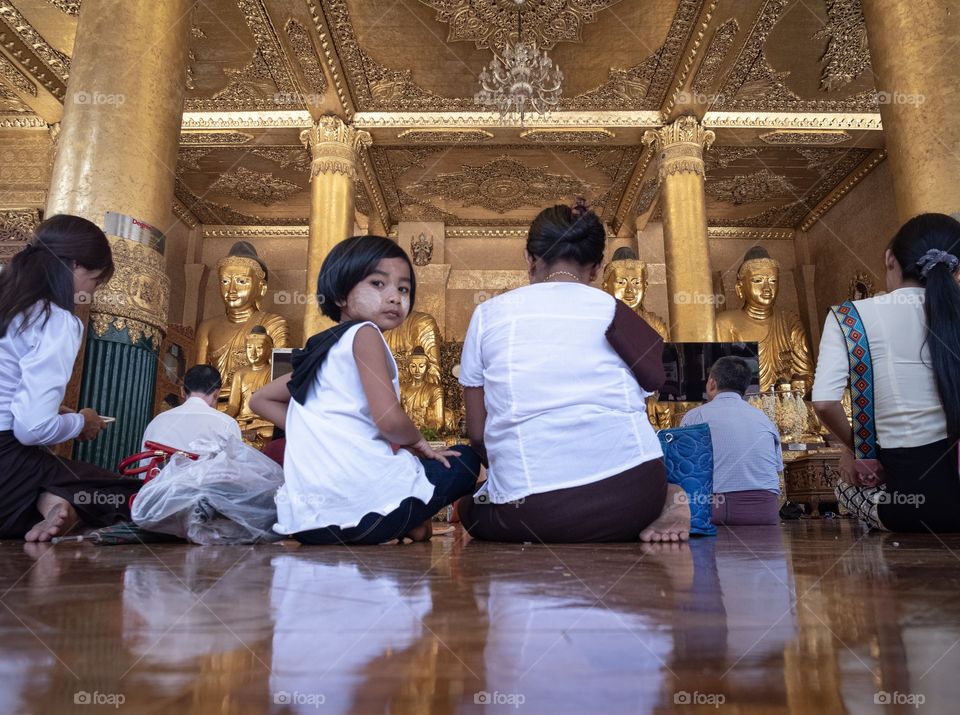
333 146
684 130
806 136
306 55
445 136
257 232
15 77
226 138
847 55
716 53
139 292
189 158
10 104
568 136
17 225
792 120
46 64
232 120
720 157
257 187
842 189
758 234
210 213
749 188
292 157
70 7
502 185
493 23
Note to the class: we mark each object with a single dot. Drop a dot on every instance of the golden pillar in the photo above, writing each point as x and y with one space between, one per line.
912 46
116 151
333 173
689 283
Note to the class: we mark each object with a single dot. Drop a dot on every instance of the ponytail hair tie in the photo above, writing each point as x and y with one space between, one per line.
934 257
580 208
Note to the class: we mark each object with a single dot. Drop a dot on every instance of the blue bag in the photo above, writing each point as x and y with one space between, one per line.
688 456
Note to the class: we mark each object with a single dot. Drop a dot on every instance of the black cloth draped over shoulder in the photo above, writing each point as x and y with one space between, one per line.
640 346
308 361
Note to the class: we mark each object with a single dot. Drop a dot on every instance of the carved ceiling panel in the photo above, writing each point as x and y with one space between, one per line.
772 186
417 55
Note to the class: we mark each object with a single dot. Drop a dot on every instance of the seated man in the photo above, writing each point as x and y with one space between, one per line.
197 417
746 448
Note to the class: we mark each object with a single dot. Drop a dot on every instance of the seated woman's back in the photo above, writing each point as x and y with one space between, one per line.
563 408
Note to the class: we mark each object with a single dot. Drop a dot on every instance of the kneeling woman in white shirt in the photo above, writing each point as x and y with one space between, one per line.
914 337
356 469
41 495
555 378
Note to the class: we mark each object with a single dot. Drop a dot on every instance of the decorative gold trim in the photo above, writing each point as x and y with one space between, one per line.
292 119
681 76
215 138
256 231
477 119
464 232
792 120
15 77
445 135
818 137
331 59
593 135
20 122
841 190
184 214
759 234
52 59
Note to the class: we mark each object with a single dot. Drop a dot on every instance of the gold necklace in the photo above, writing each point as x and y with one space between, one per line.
562 273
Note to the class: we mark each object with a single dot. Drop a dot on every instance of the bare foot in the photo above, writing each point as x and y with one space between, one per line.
673 524
59 518
421 533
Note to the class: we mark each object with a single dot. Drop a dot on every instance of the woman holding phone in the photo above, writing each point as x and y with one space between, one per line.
41 495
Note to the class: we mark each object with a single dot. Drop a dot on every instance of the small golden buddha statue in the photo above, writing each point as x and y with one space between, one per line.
418 330
625 278
816 431
421 400
246 381
221 341
784 350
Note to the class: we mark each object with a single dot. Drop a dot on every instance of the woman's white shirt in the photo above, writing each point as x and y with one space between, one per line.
563 408
35 367
337 467
907 409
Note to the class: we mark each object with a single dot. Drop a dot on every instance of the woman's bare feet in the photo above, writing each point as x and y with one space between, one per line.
421 533
673 524
59 518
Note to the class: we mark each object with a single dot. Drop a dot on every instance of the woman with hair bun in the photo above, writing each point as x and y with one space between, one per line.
42 496
555 378
913 349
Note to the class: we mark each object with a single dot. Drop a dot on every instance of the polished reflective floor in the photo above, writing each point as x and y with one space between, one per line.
813 616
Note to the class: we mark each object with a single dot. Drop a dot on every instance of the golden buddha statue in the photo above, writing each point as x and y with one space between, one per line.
221 341
625 278
784 350
418 330
246 381
421 400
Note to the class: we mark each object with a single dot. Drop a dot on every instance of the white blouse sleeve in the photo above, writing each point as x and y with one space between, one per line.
471 359
833 364
45 370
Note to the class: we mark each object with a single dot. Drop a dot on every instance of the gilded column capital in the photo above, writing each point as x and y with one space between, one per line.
681 145
334 145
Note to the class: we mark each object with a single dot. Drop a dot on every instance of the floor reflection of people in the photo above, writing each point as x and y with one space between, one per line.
359 634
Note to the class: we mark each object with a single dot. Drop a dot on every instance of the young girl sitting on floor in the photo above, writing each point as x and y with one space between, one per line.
356 469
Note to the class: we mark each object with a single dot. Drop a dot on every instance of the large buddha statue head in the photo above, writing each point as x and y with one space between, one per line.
757 279
417 364
259 347
625 277
243 278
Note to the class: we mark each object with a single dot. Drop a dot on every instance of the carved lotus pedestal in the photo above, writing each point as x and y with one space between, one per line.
810 477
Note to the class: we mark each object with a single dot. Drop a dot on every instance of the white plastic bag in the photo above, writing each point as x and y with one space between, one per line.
225 497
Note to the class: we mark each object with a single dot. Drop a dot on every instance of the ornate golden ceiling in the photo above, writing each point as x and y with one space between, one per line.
786 85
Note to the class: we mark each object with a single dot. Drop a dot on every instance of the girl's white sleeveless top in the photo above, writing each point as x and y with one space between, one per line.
337 467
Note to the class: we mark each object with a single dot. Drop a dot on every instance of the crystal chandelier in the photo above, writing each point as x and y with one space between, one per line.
523 80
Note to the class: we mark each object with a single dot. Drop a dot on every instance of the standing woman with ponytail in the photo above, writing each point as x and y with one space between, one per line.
42 495
914 346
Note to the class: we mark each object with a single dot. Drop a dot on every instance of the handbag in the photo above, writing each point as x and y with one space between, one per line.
867 467
158 454
688 457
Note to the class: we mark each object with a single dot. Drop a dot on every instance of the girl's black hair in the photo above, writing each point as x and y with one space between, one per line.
918 241
348 263
564 233
43 271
